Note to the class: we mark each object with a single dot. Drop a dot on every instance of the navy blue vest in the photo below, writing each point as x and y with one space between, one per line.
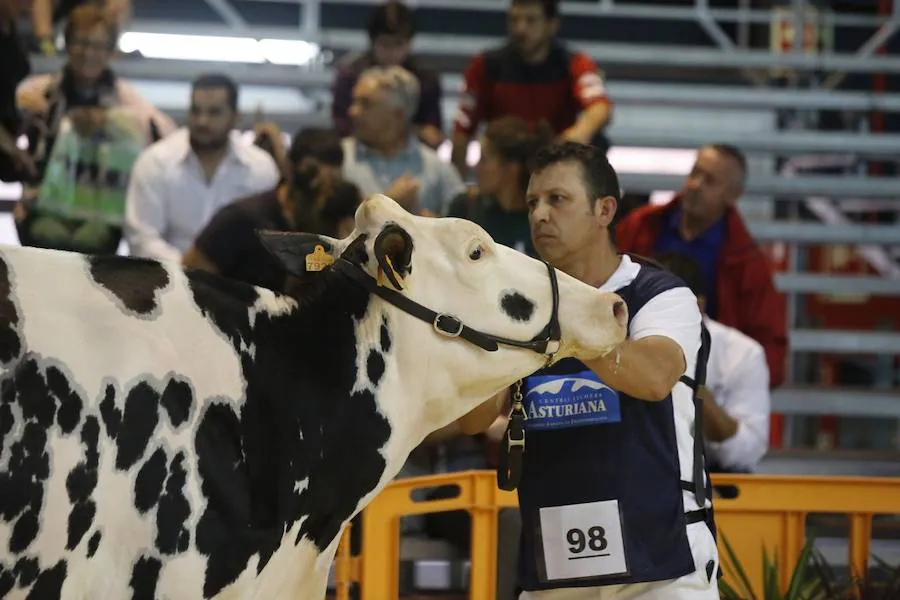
588 445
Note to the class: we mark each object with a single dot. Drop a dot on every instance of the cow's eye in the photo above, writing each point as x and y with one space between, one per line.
477 253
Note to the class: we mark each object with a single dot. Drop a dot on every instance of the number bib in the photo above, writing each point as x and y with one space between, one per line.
583 540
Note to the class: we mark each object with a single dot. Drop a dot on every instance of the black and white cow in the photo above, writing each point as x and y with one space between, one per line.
171 434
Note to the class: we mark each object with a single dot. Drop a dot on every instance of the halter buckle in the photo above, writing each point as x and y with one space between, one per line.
445 332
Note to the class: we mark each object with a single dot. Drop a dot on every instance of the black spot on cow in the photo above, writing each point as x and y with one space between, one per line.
26 571
135 282
144 577
148 485
69 400
385 336
177 399
112 416
374 366
80 520
81 482
172 535
7 581
10 343
225 303
139 419
516 306
300 422
49 583
25 449
93 544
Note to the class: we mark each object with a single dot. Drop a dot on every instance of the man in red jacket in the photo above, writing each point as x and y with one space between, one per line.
702 221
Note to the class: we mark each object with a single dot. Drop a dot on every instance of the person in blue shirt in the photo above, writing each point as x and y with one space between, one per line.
613 489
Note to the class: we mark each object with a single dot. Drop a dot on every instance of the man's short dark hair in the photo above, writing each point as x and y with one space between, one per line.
212 81
735 154
597 174
320 143
392 18
551 7
685 268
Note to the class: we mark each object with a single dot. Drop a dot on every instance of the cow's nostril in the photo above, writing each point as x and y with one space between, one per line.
619 310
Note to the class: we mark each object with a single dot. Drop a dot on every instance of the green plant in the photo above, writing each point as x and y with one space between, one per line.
812 579
803 585
882 582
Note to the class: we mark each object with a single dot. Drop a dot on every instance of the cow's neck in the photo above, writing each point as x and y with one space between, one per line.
312 430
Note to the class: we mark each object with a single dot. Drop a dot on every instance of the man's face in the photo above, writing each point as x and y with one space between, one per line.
210 119
712 185
529 29
370 113
560 212
89 52
390 50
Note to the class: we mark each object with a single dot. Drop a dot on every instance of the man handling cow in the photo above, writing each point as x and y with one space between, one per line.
613 491
165 432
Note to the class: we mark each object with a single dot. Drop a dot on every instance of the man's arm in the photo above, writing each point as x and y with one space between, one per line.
718 426
589 91
429 118
470 112
665 337
195 259
218 246
746 400
341 98
145 212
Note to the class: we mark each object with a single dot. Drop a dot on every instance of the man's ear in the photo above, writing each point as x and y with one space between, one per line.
301 253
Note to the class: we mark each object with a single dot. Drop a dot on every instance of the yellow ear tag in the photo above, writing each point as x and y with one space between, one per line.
397 277
318 259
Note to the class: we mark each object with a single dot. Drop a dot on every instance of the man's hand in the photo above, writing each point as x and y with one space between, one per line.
718 425
431 136
88 120
405 190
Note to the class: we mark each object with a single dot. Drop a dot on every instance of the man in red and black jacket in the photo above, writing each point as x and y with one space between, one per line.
702 221
535 77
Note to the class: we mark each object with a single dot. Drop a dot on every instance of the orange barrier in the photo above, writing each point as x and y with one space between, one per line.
770 512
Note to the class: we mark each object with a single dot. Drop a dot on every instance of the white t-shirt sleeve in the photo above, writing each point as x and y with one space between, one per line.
673 314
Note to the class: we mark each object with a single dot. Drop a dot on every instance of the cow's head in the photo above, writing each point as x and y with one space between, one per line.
453 266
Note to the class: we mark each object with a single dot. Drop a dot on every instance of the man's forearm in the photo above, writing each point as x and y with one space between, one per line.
718 426
646 369
459 153
589 122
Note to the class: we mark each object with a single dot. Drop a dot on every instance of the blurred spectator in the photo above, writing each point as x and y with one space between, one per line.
47 13
87 96
15 164
533 76
267 136
311 198
736 398
384 156
498 203
703 222
391 30
179 183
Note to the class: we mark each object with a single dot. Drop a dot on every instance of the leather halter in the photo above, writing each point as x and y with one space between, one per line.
547 341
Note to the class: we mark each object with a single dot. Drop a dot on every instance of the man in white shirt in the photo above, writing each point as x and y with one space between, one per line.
180 182
736 398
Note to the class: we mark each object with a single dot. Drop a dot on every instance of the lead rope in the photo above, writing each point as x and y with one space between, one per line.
509 468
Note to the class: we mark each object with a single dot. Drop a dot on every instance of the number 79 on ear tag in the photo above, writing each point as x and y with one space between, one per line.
318 259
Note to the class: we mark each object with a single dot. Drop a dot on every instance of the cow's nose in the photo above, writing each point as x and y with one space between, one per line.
620 311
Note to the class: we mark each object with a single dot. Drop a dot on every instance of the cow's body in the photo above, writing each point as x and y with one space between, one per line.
175 435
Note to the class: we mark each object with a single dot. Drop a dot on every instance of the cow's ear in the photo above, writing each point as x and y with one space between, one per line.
301 253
